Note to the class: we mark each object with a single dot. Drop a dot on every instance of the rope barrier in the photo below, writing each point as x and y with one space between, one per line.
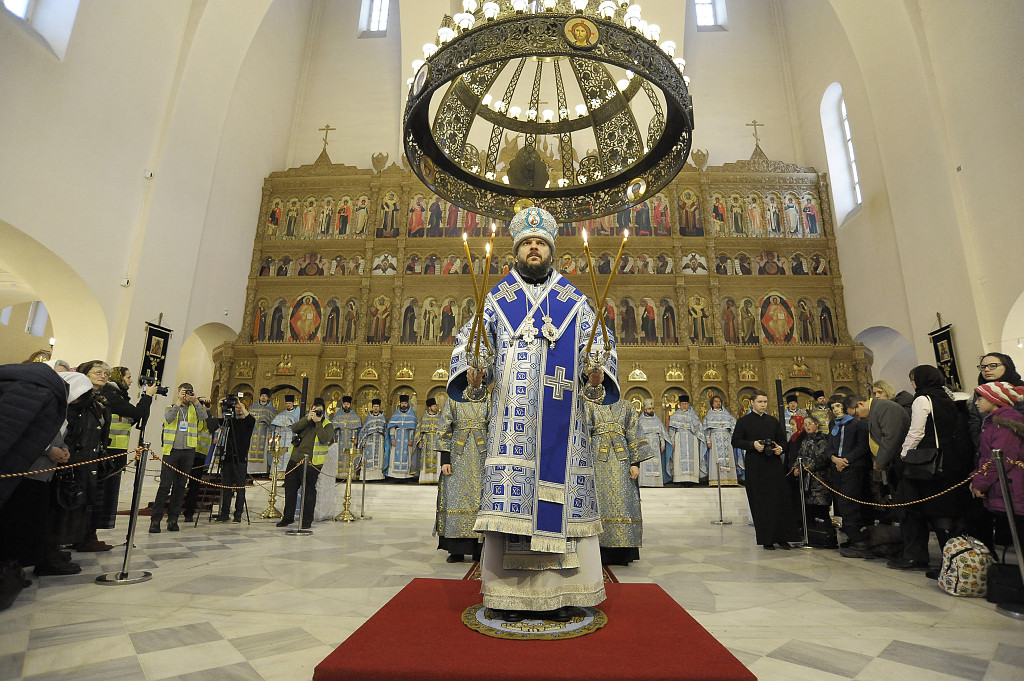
214 484
138 453
982 471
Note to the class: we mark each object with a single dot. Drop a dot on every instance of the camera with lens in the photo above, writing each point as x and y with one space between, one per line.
145 381
227 407
768 444
318 411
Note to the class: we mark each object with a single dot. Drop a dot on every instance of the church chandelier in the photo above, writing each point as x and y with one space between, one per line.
568 104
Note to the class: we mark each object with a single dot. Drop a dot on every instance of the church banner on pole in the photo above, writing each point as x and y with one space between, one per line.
945 357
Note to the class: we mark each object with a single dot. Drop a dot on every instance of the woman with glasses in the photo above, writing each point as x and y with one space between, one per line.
995 366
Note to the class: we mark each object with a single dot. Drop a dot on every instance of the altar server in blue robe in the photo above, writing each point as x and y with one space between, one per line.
401 429
538 511
373 443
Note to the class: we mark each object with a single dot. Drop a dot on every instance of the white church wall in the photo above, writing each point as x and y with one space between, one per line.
351 83
737 76
78 134
253 144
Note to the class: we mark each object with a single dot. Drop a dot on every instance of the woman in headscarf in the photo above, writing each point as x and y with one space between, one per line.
935 421
123 416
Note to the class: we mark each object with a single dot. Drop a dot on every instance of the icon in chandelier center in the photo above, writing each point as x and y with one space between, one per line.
581 33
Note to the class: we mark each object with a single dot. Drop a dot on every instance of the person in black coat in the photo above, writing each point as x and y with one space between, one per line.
850 469
123 415
33 401
233 448
762 436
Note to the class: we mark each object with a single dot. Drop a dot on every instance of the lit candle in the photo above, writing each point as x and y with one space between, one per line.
593 281
476 292
608 285
483 295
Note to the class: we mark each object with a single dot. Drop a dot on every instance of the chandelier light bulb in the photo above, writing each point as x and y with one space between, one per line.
641 26
549 5
514 111
486 101
445 34
629 74
548 115
686 80
1020 343
633 11
429 50
607 9
579 5
491 10
416 64
653 32
409 82
469 5
623 83
531 114
519 5
581 109
631 20
680 63
464 20
499 105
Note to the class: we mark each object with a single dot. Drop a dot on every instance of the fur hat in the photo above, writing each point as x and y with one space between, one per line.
403 398
289 398
819 393
265 391
431 402
683 397
375 401
318 402
1001 393
346 398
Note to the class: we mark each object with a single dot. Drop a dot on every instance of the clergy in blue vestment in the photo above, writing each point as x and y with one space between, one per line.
259 446
401 428
425 441
689 444
718 427
538 511
372 443
652 472
346 424
282 425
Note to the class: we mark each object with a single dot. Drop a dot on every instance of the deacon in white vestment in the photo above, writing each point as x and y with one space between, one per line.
718 427
538 510
654 431
689 445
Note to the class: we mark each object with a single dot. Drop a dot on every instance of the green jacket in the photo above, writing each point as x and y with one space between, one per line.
311 434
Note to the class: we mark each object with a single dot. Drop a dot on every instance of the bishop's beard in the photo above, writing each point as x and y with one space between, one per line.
535 273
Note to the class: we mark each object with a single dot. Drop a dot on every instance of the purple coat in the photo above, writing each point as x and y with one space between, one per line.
1003 429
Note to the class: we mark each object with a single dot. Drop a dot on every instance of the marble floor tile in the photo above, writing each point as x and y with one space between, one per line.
274 643
74 633
1011 655
174 637
219 585
11 666
122 669
200 657
241 671
936 660
878 600
827 659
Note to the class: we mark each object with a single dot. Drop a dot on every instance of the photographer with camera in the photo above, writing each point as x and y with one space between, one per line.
180 440
311 436
232 433
759 434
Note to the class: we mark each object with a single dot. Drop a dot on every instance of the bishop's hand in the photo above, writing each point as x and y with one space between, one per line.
475 378
596 378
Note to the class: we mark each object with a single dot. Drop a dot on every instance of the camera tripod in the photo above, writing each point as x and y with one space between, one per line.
215 468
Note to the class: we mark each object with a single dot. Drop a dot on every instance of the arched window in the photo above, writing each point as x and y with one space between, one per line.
842 160
373 19
710 14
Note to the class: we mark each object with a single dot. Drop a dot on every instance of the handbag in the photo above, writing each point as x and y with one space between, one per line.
924 463
68 494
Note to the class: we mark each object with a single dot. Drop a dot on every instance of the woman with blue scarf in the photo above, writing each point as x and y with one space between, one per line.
851 467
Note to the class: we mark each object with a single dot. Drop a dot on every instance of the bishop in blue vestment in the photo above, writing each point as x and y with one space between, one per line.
538 509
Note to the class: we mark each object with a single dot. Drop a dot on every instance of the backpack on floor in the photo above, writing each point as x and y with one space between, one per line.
964 571
12 581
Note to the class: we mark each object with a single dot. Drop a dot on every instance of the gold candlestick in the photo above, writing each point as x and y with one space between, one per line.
271 510
346 514
489 249
608 285
593 281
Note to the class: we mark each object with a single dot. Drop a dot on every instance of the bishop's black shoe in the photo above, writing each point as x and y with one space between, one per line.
284 522
505 615
454 558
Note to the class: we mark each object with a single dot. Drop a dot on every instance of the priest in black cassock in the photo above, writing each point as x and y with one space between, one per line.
761 436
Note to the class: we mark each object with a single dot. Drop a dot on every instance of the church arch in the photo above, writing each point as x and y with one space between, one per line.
636 397
196 364
80 325
1013 332
392 404
894 355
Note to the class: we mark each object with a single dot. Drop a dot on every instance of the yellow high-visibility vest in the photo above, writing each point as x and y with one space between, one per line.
191 436
120 432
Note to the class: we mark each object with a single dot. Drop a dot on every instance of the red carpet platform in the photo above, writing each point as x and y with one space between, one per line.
418 636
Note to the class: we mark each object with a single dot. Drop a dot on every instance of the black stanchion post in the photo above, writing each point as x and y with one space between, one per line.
1015 610
721 513
125 576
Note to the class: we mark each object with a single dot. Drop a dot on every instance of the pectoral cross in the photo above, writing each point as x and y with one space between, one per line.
326 130
754 124
558 383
